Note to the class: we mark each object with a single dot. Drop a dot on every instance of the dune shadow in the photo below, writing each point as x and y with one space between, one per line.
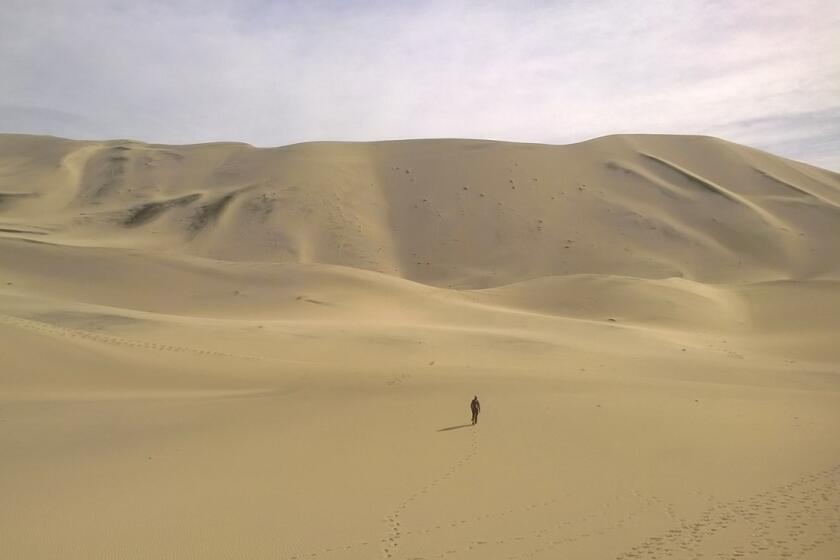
455 427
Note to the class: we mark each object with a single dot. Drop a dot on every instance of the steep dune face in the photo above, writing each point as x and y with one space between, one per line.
447 213
219 351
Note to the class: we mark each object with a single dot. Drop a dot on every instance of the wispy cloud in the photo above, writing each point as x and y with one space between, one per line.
271 72
810 136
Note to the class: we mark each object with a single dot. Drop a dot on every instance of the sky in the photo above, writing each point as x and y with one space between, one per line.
272 73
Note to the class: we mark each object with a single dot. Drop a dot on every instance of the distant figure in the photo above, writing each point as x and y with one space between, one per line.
475 406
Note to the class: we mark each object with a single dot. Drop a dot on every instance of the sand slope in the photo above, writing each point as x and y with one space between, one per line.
440 212
220 351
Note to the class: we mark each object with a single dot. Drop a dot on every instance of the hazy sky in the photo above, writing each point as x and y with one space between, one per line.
277 72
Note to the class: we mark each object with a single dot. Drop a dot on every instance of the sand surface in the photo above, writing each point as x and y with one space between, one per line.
219 351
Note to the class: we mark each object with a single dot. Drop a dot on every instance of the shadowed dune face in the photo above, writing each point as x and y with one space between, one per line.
219 351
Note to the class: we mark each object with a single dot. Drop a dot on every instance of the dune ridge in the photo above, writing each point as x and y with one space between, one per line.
443 213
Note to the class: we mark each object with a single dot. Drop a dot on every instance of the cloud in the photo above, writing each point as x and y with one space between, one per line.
812 136
39 120
271 72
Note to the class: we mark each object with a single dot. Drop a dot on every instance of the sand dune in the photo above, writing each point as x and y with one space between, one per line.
440 212
218 351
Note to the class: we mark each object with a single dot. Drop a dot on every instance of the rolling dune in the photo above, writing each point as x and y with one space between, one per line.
217 351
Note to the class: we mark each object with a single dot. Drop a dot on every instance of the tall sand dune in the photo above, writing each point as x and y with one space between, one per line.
222 351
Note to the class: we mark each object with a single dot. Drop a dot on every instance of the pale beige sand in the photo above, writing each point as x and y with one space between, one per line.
218 351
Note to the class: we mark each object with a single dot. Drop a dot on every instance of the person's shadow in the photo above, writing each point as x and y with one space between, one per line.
455 427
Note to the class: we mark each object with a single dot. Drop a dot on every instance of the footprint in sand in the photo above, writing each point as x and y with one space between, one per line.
811 502
393 533
67 332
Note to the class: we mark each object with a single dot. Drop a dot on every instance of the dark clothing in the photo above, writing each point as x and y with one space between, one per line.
475 407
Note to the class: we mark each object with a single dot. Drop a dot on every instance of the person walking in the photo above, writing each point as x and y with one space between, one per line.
475 407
